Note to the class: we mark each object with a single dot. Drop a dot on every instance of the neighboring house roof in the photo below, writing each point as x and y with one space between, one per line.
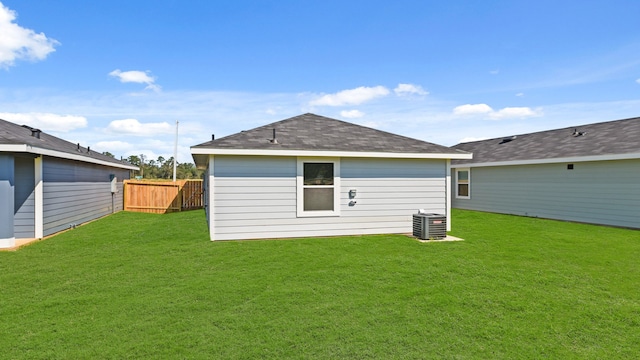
17 138
611 140
314 135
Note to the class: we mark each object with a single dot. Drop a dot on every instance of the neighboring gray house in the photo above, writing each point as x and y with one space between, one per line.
314 176
587 173
48 184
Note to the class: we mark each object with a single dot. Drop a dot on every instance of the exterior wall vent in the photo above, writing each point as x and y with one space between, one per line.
429 226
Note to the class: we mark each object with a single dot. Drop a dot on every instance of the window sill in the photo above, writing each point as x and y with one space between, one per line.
307 214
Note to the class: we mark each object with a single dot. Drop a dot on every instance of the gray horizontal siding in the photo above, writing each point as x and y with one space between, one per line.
24 198
62 170
599 192
75 192
65 204
7 209
255 197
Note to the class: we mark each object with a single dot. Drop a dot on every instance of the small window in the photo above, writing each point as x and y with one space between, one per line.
318 187
463 181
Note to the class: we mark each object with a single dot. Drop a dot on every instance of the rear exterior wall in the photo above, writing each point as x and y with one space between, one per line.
255 197
598 192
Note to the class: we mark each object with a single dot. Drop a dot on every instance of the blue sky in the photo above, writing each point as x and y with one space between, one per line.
116 75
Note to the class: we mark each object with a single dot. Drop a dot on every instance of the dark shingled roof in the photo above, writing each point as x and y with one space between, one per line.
13 134
606 138
318 133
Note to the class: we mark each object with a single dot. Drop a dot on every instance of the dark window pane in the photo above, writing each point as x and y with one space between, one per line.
463 189
318 199
318 173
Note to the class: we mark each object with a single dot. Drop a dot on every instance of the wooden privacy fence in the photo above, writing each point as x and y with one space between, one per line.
162 197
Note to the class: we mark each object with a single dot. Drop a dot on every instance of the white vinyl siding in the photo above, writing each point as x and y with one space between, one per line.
256 197
251 195
393 189
599 192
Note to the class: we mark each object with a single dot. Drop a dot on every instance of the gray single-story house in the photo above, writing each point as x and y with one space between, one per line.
311 175
48 184
587 173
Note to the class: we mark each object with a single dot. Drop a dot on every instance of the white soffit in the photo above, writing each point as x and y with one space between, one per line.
208 151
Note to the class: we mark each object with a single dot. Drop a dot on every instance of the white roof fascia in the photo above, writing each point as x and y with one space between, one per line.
59 154
551 161
207 151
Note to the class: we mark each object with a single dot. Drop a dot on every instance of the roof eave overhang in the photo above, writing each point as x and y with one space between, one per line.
198 152
201 160
60 154
550 161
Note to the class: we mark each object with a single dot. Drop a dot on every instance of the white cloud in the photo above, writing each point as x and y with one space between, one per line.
136 76
355 96
113 146
408 89
638 81
134 127
472 109
514 112
351 114
202 113
505 113
18 43
520 94
494 72
47 121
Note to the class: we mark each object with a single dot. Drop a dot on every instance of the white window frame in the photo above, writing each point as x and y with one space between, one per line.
468 182
300 187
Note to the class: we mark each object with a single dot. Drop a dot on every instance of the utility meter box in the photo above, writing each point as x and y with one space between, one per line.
114 183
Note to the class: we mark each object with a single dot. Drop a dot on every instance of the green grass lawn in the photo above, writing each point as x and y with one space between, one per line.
152 286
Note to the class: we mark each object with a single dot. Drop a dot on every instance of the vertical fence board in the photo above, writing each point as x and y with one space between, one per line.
162 197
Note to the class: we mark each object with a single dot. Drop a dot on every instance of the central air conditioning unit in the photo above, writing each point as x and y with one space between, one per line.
429 226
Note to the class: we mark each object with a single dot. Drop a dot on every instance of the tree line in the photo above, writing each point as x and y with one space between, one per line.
161 168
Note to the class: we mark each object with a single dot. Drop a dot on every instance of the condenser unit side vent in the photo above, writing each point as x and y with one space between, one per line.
429 226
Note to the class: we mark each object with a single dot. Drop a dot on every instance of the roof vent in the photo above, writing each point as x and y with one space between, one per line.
34 132
506 140
274 140
577 133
